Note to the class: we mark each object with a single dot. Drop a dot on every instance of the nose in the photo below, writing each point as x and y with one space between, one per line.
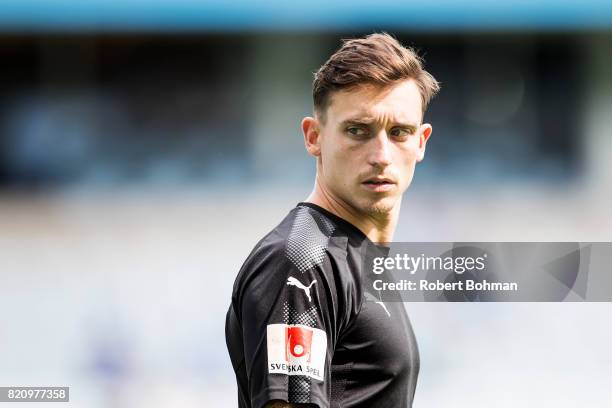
380 150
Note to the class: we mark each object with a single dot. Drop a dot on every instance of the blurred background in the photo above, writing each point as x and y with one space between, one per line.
145 147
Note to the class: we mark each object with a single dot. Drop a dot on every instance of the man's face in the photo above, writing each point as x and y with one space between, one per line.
369 145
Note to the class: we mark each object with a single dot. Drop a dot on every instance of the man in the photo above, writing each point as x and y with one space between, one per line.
305 327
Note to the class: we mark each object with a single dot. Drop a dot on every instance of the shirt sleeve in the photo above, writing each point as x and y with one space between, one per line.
291 318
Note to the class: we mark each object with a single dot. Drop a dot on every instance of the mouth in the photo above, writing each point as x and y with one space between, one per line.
379 184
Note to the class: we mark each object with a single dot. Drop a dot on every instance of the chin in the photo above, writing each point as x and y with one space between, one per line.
381 206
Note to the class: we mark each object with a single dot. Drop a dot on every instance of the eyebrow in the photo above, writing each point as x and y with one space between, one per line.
367 121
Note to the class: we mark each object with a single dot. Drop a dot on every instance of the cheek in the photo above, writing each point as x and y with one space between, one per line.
406 161
408 154
335 165
339 157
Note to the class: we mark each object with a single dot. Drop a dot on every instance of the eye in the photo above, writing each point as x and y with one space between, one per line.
357 131
400 133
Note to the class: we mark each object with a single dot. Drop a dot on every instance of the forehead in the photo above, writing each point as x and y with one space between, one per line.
397 102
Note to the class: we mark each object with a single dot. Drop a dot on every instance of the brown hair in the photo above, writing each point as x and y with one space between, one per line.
377 59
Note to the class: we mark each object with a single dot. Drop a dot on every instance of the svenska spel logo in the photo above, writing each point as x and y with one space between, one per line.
296 350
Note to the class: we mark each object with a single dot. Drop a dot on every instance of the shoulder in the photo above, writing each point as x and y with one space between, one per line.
308 238
305 249
304 242
302 239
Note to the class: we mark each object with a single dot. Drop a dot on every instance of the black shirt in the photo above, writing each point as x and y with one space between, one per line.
306 326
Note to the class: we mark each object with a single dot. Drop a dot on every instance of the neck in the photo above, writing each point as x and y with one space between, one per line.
378 227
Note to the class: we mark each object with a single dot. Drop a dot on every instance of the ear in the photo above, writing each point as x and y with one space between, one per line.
312 139
424 133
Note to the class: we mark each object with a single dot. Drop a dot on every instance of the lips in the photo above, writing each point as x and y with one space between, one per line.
378 181
379 184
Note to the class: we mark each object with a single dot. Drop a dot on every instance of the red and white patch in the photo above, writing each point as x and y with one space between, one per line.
296 350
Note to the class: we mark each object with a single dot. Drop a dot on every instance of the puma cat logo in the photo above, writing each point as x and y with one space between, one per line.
371 298
294 282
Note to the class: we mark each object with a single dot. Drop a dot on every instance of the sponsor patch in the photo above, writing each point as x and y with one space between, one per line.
296 350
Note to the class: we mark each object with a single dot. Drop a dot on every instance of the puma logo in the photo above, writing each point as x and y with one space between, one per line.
294 282
371 298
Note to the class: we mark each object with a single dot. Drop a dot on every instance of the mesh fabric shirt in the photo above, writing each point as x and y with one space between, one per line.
305 324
